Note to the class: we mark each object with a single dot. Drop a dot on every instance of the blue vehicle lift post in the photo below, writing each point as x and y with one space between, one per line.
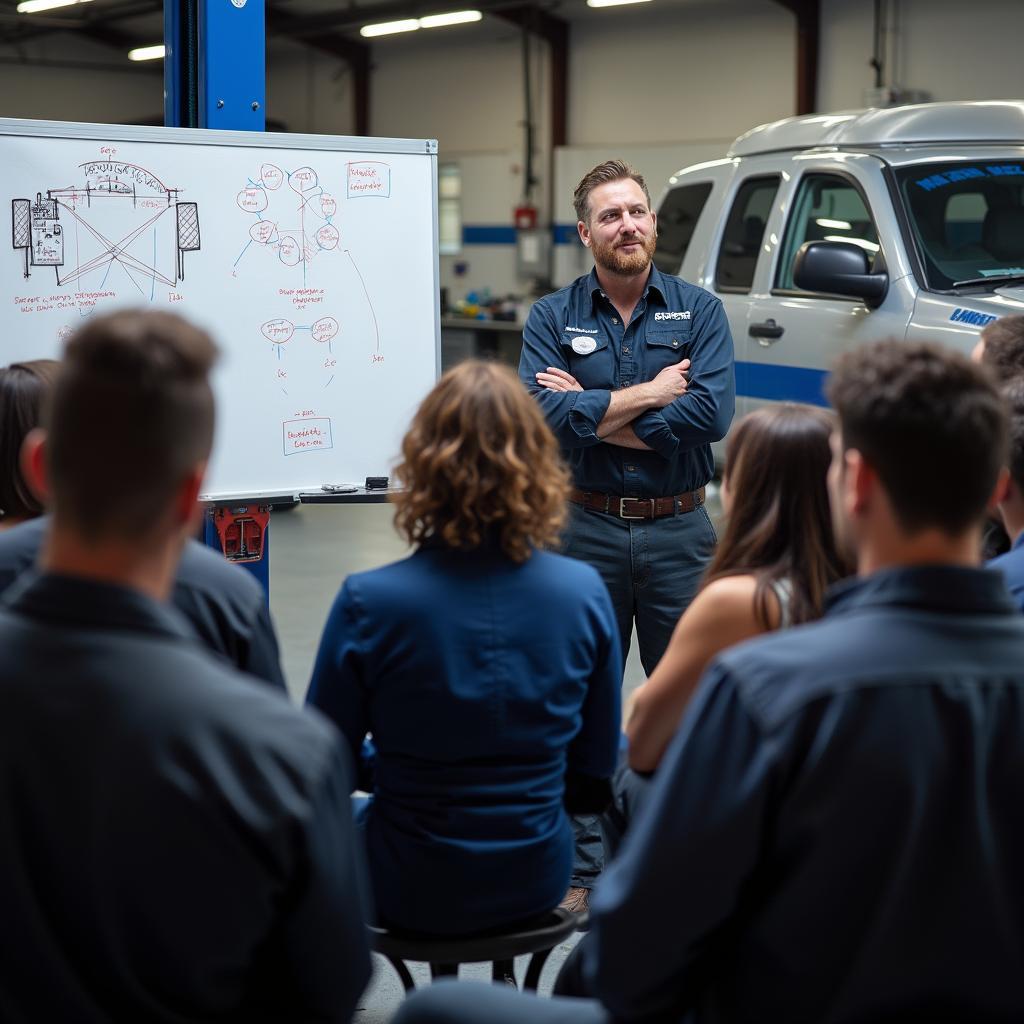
215 77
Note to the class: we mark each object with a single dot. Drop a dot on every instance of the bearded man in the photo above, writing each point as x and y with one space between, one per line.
633 369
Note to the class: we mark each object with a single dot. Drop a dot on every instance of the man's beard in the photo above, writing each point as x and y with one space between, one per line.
609 257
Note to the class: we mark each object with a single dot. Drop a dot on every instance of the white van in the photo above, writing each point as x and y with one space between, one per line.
821 232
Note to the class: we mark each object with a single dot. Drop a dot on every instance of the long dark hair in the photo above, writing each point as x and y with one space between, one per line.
779 526
24 387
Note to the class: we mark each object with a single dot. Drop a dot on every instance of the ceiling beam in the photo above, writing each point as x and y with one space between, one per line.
555 32
808 26
96 24
354 52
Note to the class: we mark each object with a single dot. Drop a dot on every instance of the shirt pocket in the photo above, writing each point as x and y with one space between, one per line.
667 343
593 369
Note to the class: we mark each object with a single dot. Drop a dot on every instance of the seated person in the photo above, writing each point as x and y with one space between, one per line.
1000 348
23 389
177 844
487 669
1011 501
226 606
835 833
773 564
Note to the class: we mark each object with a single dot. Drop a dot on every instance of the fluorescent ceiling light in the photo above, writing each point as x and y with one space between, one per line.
147 52
614 3
455 18
827 222
35 6
388 28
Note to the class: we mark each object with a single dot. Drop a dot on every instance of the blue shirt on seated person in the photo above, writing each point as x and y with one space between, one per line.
483 681
486 668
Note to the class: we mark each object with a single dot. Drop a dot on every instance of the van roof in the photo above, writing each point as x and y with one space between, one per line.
919 123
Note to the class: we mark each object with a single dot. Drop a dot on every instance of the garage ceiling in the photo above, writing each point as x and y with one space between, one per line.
322 24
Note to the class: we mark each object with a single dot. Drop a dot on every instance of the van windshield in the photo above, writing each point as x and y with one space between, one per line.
967 219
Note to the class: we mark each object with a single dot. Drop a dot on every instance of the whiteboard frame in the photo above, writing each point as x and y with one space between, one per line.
89 131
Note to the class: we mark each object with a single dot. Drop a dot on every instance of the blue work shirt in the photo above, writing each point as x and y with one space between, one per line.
484 681
225 605
177 842
578 330
835 833
1011 565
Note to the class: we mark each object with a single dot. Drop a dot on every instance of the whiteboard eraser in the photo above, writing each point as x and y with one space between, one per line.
376 483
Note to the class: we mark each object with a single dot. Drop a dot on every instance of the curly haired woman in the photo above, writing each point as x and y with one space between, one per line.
486 668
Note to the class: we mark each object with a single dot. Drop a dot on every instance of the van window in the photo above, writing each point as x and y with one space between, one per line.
827 208
744 233
967 219
677 220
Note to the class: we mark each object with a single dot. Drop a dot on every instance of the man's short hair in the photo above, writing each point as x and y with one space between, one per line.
131 415
1013 395
1003 346
932 425
610 170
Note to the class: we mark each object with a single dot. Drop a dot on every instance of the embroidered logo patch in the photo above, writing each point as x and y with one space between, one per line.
583 346
675 315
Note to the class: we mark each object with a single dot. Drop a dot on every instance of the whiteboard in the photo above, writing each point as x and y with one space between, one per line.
312 260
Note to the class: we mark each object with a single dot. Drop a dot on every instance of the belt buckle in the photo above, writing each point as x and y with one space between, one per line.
622 506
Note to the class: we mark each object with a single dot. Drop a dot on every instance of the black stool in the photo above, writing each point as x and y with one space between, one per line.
445 953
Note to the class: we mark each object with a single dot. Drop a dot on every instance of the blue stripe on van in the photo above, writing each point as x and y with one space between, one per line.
781 383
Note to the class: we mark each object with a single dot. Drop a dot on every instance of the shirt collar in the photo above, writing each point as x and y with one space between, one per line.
942 588
655 282
1019 542
76 602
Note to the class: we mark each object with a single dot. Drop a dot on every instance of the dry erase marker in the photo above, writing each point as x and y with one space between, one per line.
339 488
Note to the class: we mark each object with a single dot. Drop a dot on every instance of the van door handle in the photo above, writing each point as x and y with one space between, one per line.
766 333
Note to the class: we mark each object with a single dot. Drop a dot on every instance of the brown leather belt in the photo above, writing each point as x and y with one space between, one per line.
638 508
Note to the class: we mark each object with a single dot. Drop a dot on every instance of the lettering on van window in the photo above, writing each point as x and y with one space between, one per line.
971 316
935 181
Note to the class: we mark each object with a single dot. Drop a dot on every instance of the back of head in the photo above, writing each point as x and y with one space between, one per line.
779 526
602 174
131 417
24 389
1002 348
1013 396
930 423
480 465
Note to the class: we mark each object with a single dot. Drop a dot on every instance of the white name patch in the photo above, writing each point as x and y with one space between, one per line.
684 315
580 330
583 346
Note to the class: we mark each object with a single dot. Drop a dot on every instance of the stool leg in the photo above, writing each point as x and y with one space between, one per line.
537 962
403 974
443 971
504 971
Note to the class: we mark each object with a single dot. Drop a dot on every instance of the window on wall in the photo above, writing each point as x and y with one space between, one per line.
449 209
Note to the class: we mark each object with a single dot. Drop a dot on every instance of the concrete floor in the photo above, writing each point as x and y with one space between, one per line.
312 549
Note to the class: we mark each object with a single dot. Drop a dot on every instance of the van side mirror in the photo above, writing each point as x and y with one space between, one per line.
838 268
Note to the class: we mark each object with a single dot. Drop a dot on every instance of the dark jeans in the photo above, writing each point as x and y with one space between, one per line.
597 837
651 567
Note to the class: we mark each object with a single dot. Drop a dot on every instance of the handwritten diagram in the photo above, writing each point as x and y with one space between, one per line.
296 223
122 216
